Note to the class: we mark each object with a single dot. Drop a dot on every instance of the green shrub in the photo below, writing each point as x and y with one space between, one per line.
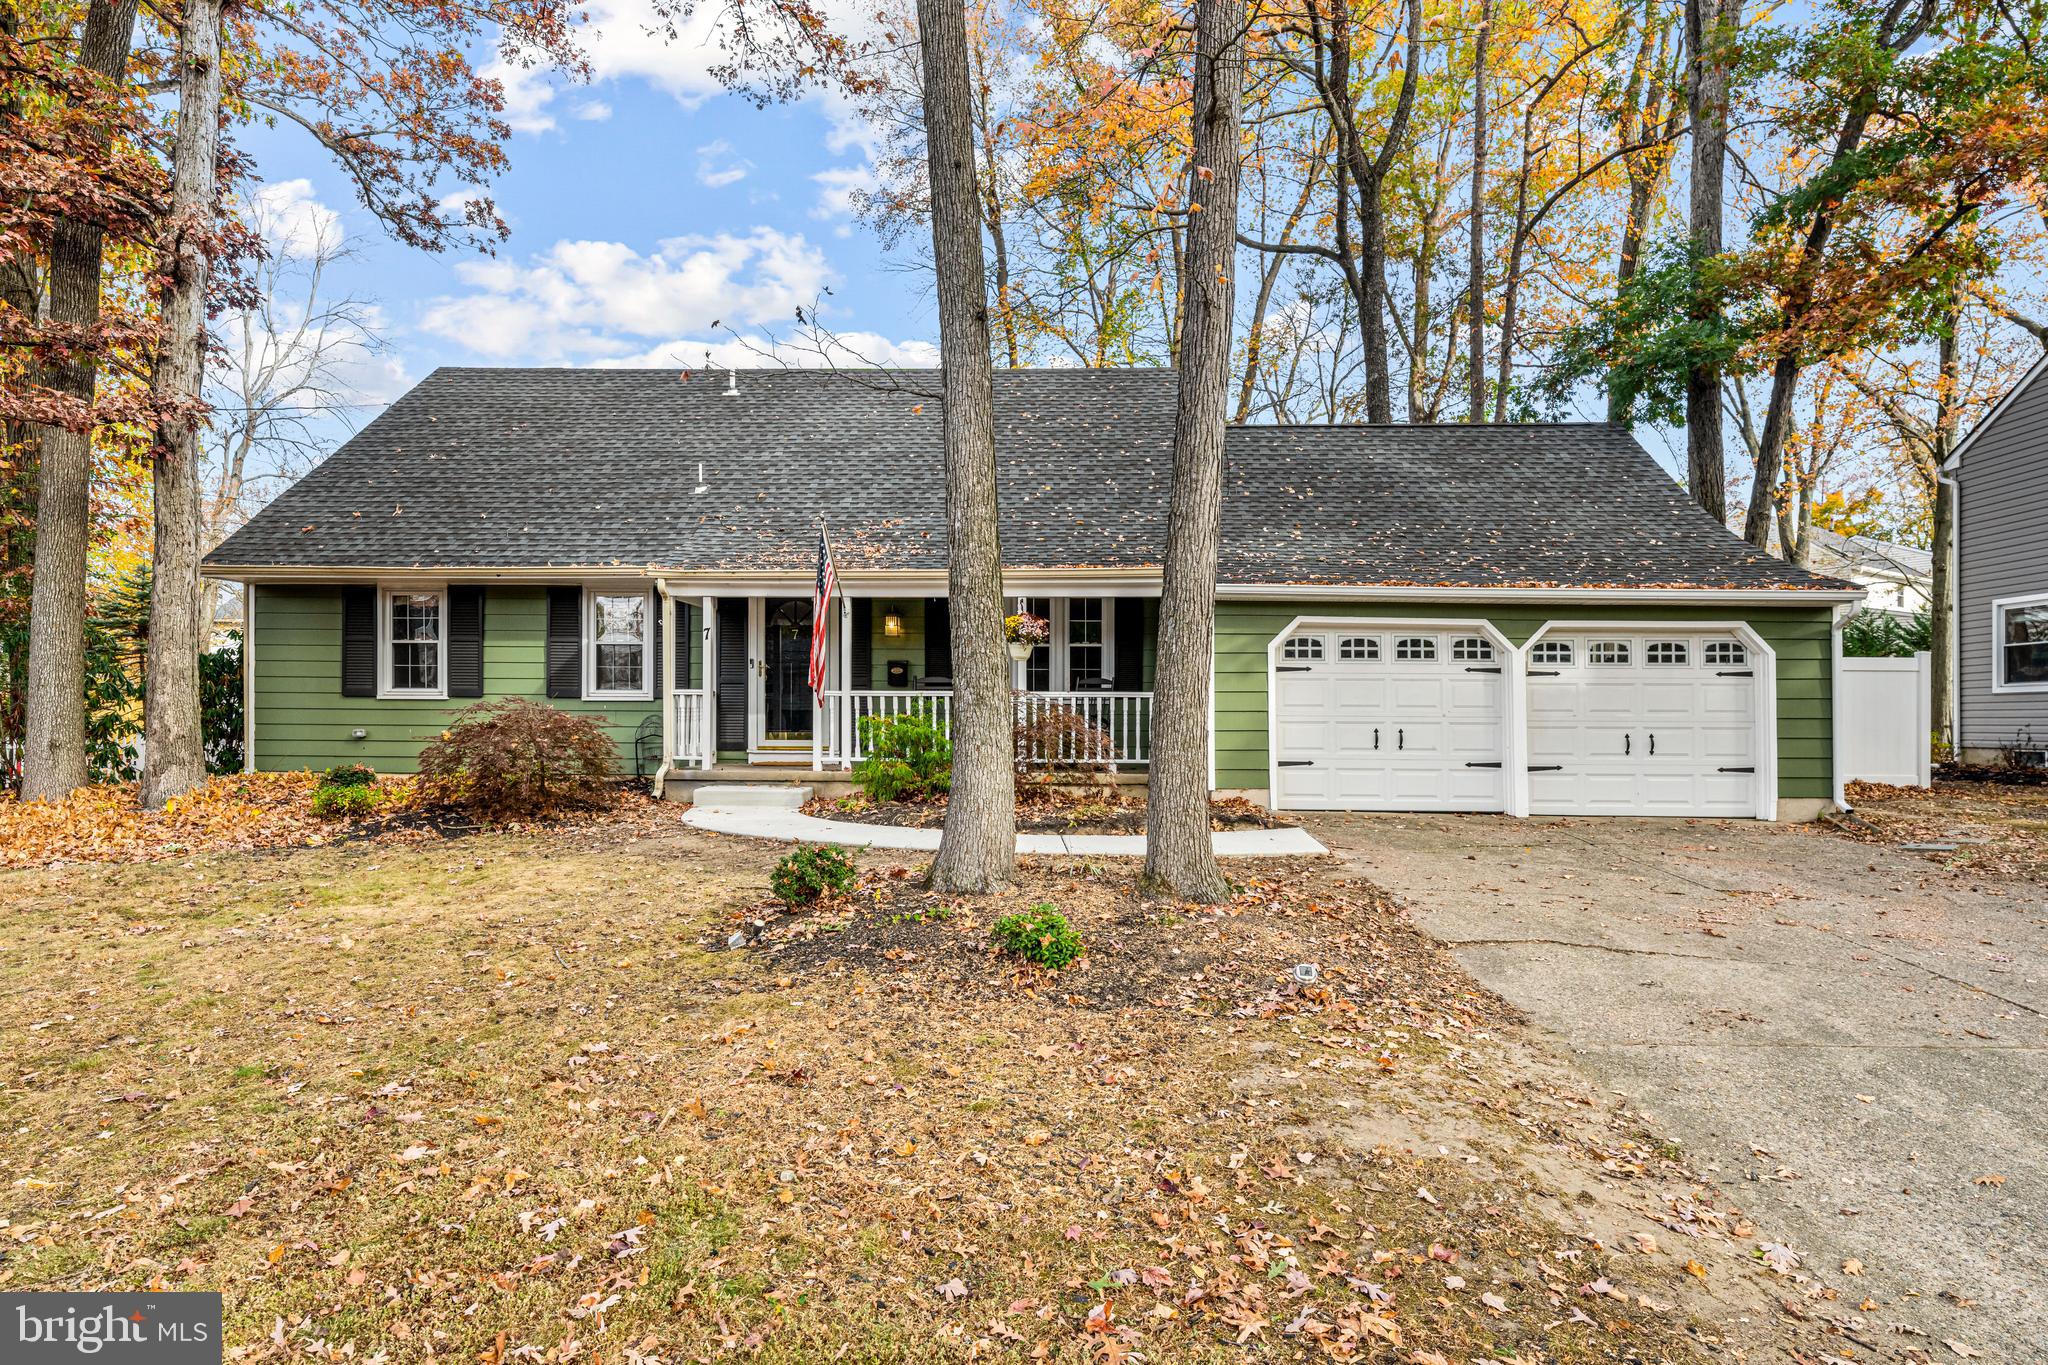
345 803
904 758
349 775
1883 634
810 872
1043 936
220 706
516 758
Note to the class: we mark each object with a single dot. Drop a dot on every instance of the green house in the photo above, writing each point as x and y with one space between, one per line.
1520 618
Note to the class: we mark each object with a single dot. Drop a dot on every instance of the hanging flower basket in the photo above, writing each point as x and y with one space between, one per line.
1024 633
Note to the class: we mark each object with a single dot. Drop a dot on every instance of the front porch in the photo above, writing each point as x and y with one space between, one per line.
740 708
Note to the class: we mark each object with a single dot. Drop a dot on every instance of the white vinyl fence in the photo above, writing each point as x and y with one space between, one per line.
1887 721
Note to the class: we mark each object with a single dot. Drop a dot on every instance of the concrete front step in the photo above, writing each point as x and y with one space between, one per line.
749 796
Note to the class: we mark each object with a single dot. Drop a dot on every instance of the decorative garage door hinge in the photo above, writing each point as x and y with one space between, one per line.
1546 767
1545 673
1738 770
1481 668
1290 668
1482 765
1297 763
1736 673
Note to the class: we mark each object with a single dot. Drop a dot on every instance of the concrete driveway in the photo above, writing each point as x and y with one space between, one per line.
1851 1039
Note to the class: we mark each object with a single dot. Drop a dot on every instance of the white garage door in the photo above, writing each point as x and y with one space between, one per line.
1642 723
1389 719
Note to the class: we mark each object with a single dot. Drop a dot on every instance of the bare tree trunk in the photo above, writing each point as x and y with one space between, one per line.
979 846
174 759
1710 35
1475 348
1180 858
1942 588
54 727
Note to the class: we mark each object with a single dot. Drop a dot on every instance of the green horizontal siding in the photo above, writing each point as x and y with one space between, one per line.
1798 635
303 721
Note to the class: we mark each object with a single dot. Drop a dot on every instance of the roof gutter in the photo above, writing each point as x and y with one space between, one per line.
1324 592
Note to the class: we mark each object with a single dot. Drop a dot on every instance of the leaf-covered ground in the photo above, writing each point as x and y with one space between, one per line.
1978 828
512 1097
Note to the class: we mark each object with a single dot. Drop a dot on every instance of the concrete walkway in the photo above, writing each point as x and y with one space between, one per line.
796 827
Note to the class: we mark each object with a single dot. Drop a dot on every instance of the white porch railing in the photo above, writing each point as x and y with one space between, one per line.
691 726
1110 729
1107 728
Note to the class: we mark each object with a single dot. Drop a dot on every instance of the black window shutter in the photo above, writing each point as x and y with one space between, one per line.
1130 645
732 673
465 642
358 642
938 638
863 643
565 643
654 658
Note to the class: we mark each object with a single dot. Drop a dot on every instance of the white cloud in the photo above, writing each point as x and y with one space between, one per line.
837 186
584 301
293 220
717 167
593 111
849 350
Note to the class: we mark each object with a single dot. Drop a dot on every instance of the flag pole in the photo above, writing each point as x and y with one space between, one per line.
817 696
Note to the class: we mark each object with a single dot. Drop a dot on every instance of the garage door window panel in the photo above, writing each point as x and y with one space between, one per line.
1667 654
1303 648
1726 654
1359 648
1415 649
1608 654
1472 649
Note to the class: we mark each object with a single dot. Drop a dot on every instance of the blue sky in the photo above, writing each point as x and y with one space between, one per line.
643 206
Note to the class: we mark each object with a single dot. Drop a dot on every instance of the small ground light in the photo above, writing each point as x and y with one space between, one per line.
1306 973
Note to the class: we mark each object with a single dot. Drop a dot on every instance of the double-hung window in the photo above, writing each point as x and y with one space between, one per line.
2019 631
413 630
1087 641
618 653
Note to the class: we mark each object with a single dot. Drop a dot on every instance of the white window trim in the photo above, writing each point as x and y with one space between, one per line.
1059 657
385 691
1999 606
591 691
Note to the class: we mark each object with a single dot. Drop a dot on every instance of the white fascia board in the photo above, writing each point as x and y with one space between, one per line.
1323 592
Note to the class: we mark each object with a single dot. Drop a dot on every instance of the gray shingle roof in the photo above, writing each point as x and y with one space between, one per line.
542 468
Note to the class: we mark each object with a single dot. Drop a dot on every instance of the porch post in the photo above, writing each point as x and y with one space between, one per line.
665 691
709 631
843 727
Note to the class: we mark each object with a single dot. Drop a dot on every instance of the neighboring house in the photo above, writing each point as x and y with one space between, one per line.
1894 578
1520 618
2000 471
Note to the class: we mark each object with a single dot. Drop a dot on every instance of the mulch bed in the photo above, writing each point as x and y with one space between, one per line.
1991 775
1235 959
1045 811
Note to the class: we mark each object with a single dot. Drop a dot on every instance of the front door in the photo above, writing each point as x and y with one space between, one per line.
786 672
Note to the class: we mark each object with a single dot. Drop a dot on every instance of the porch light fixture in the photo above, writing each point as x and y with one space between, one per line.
892 625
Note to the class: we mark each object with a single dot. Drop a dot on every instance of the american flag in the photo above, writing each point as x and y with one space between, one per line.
828 583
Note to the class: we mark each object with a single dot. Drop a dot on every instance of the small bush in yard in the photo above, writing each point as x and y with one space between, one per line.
810 872
904 758
349 775
344 803
516 758
1043 936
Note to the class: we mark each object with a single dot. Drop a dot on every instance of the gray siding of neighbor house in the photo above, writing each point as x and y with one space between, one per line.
2000 552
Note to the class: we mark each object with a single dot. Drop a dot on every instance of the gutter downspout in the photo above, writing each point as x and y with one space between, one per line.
666 696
